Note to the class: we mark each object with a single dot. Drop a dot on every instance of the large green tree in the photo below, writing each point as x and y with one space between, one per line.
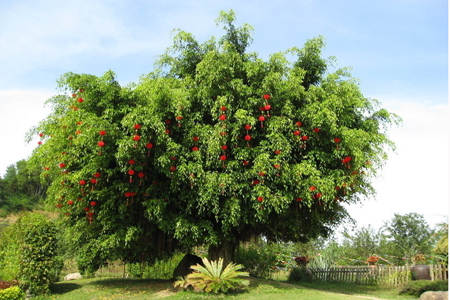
407 236
213 147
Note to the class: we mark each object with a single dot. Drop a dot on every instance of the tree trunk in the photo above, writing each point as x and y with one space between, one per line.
225 250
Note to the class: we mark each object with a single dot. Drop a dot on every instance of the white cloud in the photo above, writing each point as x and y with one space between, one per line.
21 110
53 33
416 177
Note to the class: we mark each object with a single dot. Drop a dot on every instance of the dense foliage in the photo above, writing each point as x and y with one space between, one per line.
418 287
21 188
11 293
29 253
213 148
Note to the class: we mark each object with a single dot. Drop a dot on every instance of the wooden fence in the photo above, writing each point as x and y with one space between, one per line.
374 275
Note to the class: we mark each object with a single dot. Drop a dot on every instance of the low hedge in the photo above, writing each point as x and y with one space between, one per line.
418 287
12 293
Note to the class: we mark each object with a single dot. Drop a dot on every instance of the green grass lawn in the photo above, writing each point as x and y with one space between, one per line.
112 289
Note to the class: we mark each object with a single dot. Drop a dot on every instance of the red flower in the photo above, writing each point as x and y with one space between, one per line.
141 174
93 181
136 138
316 129
70 202
97 175
297 132
172 168
195 138
149 145
80 100
82 182
131 172
245 163
260 199
312 188
102 132
276 166
247 137
298 124
179 118
346 159
194 148
266 97
101 144
41 134
131 161
337 140
62 165
137 126
262 118
223 157
277 152
248 127
222 117
305 138
223 108
93 203
168 121
224 147
267 107
298 199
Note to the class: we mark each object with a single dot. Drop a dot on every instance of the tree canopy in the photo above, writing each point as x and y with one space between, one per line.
213 147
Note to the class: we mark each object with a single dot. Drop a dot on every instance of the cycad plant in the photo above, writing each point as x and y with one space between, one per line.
213 278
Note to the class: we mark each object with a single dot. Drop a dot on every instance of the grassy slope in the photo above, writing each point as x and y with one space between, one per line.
134 289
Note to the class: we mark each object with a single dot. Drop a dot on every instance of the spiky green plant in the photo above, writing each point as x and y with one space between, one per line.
213 278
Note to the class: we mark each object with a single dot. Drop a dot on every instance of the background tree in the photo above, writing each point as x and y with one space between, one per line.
213 148
361 244
441 247
408 235
21 188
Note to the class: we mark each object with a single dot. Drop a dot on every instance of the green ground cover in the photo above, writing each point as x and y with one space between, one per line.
134 289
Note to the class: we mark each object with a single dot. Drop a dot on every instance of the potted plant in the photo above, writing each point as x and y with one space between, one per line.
420 271
372 260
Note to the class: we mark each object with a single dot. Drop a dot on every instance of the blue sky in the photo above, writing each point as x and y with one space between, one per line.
398 49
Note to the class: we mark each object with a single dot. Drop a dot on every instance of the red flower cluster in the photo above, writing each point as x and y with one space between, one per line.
301 260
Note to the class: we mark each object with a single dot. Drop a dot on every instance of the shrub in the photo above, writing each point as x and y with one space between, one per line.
40 264
10 241
299 274
213 278
418 287
259 262
12 293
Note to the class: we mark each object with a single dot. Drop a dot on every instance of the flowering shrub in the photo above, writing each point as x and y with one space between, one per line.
420 259
372 259
301 260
